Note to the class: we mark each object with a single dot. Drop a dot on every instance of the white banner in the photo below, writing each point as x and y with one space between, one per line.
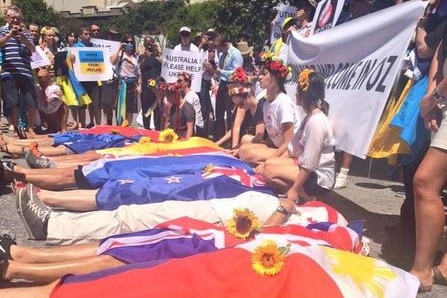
360 60
284 11
182 61
92 64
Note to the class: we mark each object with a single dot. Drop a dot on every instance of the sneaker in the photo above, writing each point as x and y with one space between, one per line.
35 159
341 181
34 214
5 244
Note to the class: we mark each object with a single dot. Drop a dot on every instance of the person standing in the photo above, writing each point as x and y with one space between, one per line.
230 58
150 68
128 70
16 74
185 41
92 88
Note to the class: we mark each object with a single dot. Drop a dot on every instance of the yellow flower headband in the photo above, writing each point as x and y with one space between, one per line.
303 79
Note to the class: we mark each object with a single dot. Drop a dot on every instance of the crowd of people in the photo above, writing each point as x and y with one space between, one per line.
286 144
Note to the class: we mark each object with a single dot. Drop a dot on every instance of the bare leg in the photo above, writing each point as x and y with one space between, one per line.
430 217
53 179
280 173
75 200
26 292
40 139
75 158
51 270
254 154
53 254
82 116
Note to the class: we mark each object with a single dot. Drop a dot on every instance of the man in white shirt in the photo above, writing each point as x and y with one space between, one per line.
185 41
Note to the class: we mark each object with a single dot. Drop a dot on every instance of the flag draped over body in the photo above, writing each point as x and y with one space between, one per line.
209 262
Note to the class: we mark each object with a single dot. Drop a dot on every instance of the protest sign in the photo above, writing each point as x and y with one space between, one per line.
182 61
284 11
92 64
39 59
326 15
113 46
360 61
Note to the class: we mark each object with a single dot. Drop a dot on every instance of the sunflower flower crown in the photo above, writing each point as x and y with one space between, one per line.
244 223
269 258
303 79
273 63
168 135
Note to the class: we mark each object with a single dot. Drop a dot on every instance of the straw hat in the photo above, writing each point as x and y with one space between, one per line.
243 47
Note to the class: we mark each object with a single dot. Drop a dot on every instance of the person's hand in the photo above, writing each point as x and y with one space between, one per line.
260 168
138 88
430 120
427 105
234 152
289 205
292 195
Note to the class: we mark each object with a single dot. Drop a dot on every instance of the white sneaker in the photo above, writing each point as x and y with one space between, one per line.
341 181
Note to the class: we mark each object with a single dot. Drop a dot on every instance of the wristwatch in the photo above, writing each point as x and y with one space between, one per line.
440 100
282 210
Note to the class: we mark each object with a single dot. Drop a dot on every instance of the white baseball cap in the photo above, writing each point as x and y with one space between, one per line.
185 29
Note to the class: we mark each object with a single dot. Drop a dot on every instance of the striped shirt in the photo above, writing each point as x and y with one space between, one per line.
16 56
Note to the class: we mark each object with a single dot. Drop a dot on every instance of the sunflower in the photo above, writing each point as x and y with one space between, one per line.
144 140
303 79
152 83
268 258
125 123
243 224
168 135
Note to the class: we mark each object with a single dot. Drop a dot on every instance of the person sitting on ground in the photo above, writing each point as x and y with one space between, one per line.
280 114
248 123
181 113
309 170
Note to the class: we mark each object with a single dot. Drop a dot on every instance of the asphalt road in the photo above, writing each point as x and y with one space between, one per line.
370 196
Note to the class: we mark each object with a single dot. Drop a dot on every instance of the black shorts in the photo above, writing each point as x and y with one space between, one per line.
18 89
312 188
80 179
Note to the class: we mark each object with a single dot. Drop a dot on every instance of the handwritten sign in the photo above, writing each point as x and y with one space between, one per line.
175 62
92 64
113 46
284 11
39 59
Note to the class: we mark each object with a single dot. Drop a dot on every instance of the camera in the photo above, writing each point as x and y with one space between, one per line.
150 48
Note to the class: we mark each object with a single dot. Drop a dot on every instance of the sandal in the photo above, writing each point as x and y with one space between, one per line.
438 277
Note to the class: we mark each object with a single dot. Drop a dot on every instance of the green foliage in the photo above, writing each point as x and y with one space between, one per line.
37 11
250 19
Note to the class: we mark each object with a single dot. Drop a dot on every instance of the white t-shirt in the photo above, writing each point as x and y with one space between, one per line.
194 100
277 112
191 48
313 147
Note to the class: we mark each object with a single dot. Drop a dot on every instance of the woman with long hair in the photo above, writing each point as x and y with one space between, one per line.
128 71
309 169
248 122
280 114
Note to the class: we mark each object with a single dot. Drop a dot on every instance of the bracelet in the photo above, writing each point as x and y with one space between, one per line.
282 210
440 100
